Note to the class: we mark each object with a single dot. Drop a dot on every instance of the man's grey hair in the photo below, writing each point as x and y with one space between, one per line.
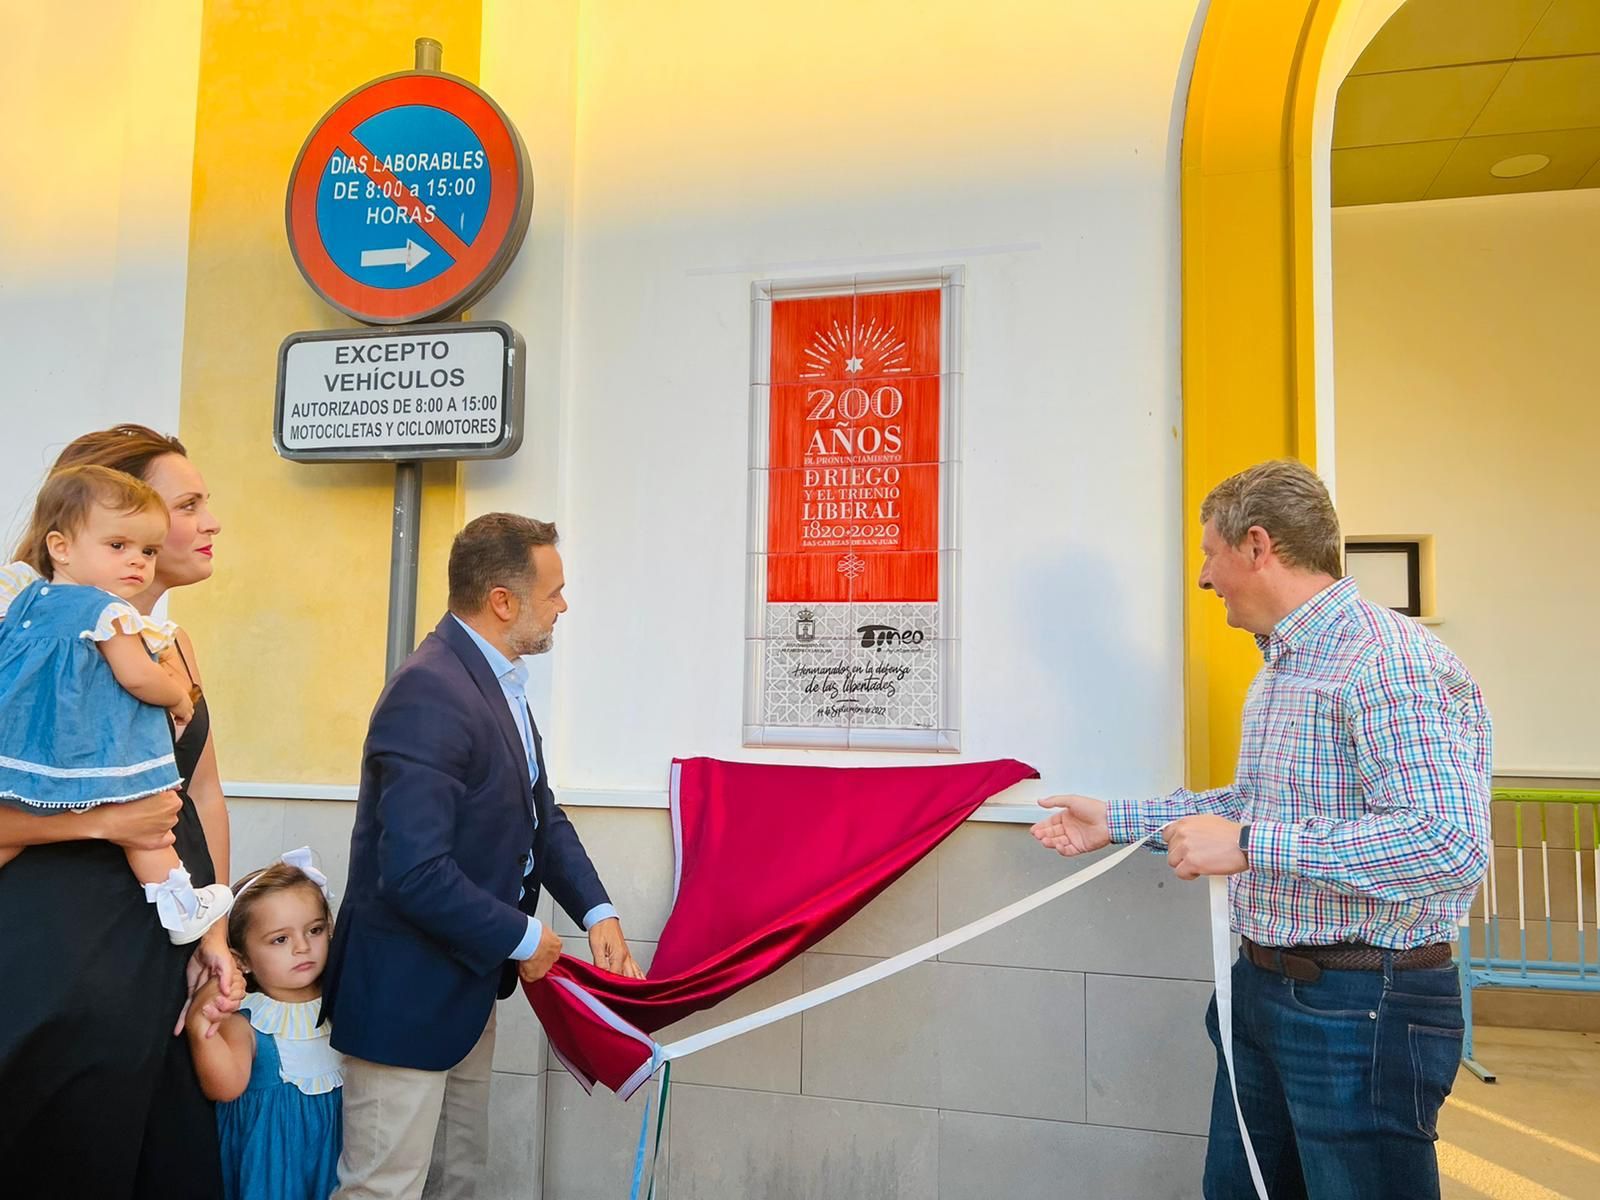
494 550
1289 501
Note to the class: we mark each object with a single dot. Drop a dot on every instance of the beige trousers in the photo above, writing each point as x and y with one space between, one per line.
398 1121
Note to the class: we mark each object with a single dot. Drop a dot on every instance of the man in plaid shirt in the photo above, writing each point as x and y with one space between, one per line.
1355 832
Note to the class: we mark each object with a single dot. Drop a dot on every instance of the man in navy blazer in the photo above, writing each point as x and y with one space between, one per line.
456 832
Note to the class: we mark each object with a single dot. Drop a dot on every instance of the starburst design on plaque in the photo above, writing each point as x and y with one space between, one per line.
870 349
852 565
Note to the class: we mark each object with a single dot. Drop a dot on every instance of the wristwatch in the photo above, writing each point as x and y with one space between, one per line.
1244 839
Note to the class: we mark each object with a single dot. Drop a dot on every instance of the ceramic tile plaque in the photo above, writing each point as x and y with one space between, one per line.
851 639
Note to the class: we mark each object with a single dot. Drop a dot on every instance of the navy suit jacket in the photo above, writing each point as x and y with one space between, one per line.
443 822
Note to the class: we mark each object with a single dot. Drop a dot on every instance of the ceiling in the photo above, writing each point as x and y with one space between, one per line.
1450 88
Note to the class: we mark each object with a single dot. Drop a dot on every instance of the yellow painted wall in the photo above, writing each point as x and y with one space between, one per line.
1248 328
81 104
291 630
94 225
1466 364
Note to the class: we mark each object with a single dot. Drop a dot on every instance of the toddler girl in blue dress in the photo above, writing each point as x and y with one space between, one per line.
270 1066
81 693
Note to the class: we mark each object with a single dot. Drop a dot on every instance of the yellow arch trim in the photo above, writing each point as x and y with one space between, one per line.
1249 367
292 670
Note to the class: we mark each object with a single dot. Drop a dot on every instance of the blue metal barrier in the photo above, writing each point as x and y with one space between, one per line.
1487 960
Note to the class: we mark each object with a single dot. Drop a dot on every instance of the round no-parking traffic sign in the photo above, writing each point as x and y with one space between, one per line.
409 199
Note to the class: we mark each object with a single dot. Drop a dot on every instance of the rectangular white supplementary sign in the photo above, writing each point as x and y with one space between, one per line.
454 391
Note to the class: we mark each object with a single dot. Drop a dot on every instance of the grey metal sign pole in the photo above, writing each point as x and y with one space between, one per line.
403 563
338 400
407 502
409 392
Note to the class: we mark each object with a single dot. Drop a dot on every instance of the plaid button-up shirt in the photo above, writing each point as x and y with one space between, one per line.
1363 771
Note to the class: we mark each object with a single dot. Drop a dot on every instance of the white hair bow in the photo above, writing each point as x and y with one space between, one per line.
301 859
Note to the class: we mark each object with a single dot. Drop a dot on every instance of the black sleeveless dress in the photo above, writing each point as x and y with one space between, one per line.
97 1098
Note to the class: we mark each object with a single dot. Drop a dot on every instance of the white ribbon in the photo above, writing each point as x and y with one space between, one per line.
301 859
1221 965
1222 969
900 962
173 897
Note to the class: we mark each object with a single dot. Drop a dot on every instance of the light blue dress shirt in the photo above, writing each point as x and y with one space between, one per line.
513 678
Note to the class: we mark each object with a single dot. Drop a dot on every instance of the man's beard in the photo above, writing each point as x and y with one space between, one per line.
531 639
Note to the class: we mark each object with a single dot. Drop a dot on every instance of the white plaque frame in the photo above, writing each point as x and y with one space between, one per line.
942 731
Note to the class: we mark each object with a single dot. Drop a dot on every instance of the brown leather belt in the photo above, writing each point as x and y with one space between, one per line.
1307 963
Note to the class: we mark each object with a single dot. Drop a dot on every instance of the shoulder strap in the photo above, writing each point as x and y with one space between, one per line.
177 644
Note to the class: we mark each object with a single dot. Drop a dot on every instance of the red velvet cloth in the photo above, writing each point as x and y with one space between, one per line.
770 860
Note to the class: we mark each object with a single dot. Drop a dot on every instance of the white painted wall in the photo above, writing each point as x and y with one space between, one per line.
529 65
99 118
1049 168
1355 24
1466 357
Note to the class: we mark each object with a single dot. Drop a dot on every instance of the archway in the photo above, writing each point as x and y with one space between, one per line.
1256 286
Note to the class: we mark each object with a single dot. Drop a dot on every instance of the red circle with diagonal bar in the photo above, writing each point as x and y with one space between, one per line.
476 264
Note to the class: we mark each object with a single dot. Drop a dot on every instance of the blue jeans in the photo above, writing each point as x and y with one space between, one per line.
1340 1081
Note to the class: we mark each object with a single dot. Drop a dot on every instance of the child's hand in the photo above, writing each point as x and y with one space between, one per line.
216 984
230 980
182 712
201 1019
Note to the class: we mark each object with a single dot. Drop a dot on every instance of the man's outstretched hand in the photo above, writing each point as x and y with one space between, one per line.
1078 828
610 949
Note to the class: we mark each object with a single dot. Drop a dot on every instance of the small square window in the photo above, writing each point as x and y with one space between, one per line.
1388 573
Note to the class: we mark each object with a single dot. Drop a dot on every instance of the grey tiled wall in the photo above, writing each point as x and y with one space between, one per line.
1061 1056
